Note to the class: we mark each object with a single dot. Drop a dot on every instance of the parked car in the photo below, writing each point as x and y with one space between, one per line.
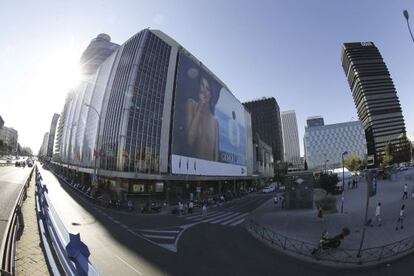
269 189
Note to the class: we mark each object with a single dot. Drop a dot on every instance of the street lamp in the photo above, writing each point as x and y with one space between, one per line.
343 170
406 15
97 139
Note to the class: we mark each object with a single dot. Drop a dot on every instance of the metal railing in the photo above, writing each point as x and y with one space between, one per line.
72 254
15 224
350 257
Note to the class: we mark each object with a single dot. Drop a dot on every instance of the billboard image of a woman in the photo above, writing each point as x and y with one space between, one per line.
201 127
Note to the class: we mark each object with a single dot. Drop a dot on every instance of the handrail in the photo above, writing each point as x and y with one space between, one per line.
372 255
14 223
71 253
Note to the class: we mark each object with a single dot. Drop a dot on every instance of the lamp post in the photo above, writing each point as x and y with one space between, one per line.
97 140
406 15
343 170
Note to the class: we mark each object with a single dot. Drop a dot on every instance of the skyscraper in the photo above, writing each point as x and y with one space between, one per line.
290 137
375 98
267 123
315 121
52 132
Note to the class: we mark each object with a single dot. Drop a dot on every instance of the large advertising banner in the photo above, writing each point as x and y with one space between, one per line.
209 129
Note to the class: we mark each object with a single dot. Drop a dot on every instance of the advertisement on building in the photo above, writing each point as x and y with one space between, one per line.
209 129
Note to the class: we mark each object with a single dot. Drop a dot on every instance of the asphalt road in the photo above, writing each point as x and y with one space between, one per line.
12 180
131 244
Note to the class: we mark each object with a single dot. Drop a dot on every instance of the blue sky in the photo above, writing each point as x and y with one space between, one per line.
288 49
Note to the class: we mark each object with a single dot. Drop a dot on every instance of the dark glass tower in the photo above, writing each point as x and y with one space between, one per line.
376 99
267 123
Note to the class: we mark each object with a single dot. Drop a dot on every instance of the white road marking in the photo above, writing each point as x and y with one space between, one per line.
220 214
199 214
130 266
217 217
230 217
234 219
237 222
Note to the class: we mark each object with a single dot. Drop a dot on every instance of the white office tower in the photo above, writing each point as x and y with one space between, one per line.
290 137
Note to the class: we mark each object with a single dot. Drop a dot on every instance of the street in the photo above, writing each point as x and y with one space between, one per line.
12 180
135 244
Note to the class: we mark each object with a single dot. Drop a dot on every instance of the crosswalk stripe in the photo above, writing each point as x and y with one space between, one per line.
159 237
201 217
225 218
199 214
234 219
217 217
237 222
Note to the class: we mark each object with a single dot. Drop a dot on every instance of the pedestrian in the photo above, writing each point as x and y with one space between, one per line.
412 193
282 200
349 184
400 218
180 207
378 214
190 207
276 200
405 194
353 184
204 210
320 213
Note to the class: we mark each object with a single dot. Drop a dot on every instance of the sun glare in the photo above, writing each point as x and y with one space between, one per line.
58 72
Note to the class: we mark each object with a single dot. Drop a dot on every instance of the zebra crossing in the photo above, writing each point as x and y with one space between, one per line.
218 217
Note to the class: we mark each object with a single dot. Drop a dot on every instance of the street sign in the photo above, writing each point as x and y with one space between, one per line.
370 160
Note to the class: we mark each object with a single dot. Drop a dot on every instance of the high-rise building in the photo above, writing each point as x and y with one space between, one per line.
9 136
43 147
375 98
267 123
315 121
324 145
96 53
52 134
290 137
153 116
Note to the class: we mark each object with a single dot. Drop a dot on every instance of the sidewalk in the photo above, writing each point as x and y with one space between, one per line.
303 225
29 255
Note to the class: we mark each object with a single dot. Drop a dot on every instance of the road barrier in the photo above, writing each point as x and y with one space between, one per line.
5 164
14 228
71 253
334 257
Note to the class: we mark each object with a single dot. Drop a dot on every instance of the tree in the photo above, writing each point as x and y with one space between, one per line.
354 163
388 154
26 151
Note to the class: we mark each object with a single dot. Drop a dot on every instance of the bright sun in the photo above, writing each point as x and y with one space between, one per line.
58 72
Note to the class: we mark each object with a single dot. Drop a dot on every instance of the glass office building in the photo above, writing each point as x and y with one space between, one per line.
122 119
324 145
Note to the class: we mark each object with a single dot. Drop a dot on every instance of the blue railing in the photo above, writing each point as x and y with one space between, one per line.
72 254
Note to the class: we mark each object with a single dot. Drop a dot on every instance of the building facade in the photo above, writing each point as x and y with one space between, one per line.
152 117
263 158
375 98
315 121
266 122
44 146
290 137
9 136
324 145
1 122
52 134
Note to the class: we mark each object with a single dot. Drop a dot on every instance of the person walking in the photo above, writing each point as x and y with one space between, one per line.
204 210
180 208
412 193
320 213
276 200
378 214
405 194
190 207
400 220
